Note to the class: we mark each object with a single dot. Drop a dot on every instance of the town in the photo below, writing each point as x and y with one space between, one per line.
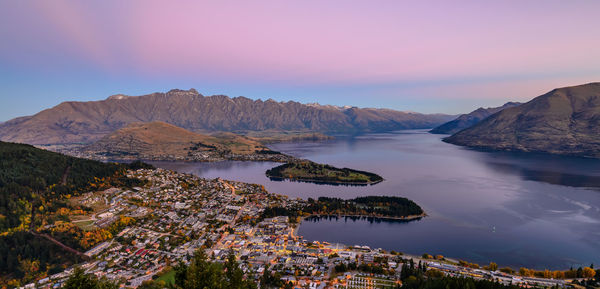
171 217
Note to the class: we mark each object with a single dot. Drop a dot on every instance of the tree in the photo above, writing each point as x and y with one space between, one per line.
433 273
558 274
180 274
80 280
493 266
201 274
525 272
507 270
152 285
588 272
234 275
268 280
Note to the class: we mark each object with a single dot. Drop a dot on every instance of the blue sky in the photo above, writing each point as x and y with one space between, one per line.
429 57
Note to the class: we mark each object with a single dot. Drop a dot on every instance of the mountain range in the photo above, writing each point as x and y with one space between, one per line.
562 121
86 122
470 119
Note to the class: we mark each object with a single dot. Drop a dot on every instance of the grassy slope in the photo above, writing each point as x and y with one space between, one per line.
562 121
159 138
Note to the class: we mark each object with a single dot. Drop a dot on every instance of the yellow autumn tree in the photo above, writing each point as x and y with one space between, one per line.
589 272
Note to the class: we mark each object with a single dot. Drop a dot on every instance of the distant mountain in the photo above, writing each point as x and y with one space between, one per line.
163 141
470 119
562 121
85 122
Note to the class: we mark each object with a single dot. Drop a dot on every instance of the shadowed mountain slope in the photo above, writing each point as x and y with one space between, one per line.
470 119
562 121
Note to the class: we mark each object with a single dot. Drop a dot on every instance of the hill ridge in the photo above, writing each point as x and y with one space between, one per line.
469 119
162 141
563 121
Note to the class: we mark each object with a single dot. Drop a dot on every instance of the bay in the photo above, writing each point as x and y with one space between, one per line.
516 209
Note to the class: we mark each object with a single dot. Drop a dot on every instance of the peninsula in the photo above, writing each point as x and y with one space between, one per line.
381 207
307 171
165 142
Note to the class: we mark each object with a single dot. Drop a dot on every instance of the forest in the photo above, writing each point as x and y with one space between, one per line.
308 171
34 187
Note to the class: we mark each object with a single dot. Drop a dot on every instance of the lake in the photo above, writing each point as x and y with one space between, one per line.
515 209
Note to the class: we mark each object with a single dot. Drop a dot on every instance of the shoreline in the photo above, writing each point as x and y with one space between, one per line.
187 160
320 182
404 218
409 218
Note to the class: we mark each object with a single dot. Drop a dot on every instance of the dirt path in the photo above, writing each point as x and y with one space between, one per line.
48 237
67 248
63 180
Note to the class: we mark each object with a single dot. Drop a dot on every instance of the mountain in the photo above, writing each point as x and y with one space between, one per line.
163 141
470 119
85 122
562 121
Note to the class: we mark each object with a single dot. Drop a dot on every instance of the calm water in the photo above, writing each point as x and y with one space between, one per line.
515 209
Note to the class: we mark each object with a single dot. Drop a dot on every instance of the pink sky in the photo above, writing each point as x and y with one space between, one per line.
443 56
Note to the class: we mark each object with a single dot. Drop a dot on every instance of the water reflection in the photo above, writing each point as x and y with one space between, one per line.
516 209
556 170
555 178
370 220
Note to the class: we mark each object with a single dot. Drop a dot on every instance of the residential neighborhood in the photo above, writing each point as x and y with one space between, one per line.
174 215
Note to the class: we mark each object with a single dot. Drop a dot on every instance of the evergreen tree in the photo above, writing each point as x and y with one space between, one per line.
80 280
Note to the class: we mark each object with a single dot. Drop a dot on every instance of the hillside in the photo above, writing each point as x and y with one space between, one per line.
35 186
163 141
562 121
470 119
86 122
